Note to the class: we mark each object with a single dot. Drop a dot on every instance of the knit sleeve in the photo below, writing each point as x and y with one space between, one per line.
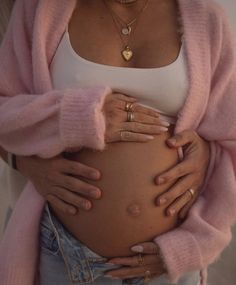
42 124
207 230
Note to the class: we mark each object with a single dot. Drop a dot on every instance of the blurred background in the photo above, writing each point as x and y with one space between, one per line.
223 272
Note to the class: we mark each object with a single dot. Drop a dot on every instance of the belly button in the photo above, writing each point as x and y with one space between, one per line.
134 210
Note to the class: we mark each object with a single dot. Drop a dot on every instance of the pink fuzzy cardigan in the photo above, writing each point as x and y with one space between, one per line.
37 120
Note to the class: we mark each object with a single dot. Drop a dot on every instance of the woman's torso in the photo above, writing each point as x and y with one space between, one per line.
128 169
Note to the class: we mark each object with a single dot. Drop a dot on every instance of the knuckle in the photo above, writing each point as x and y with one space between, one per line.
73 167
69 183
179 170
136 126
127 135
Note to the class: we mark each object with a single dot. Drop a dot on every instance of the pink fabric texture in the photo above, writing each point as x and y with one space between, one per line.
37 120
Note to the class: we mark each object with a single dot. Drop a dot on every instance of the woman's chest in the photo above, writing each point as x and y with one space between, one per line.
96 35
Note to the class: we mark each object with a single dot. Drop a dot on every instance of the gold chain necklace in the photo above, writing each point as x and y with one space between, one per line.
127 53
126 27
126 1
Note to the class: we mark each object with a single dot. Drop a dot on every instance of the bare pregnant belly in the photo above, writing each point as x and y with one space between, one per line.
128 170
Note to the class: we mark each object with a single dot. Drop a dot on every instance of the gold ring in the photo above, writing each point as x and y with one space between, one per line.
127 106
130 116
192 192
147 276
140 259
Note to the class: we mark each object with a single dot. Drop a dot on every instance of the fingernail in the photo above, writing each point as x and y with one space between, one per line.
137 248
161 180
172 212
162 201
96 193
149 137
172 141
95 175
86 205
163 129
164 123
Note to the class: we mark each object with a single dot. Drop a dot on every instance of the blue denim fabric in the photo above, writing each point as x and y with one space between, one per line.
64 260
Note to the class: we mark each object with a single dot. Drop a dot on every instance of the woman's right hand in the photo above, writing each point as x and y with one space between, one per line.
53 179
146 121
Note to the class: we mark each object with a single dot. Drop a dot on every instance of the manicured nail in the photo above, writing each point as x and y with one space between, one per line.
86 205
95 193
172 212
162 201
172 141
164 123
161 180
95 175
137 248
149 137
163 129
110 276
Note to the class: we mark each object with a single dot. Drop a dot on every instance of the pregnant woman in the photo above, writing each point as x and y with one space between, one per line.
82 44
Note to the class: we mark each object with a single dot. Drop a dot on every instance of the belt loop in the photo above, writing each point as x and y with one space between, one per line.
77 266
59 242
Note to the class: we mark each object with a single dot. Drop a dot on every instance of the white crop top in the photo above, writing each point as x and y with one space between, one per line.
163 88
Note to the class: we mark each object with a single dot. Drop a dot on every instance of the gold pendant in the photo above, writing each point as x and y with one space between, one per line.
127 53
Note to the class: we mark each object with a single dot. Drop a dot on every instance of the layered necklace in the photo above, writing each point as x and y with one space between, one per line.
126 1
124 28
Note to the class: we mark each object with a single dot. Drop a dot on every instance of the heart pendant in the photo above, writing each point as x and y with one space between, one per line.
127 53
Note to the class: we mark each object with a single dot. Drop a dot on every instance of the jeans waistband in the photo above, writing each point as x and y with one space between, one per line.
83 265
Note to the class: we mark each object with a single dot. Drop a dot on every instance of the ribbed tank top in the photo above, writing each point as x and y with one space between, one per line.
161 88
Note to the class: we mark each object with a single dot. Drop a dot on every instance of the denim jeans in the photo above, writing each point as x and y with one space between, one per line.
64 260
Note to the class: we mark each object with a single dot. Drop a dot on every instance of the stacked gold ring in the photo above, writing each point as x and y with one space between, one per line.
147 276
192 192
129 109
130 116
140 259
128 106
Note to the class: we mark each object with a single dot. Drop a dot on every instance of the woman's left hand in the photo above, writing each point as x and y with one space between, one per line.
147 264
190 173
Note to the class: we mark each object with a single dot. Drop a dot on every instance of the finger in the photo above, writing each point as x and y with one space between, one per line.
145 110
60 205
134 261
147 119
123 97
77 168
182 138
132 137
132 272
179 203
143 128
73 199
184 211
77 185
181 169
146 247
178 189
